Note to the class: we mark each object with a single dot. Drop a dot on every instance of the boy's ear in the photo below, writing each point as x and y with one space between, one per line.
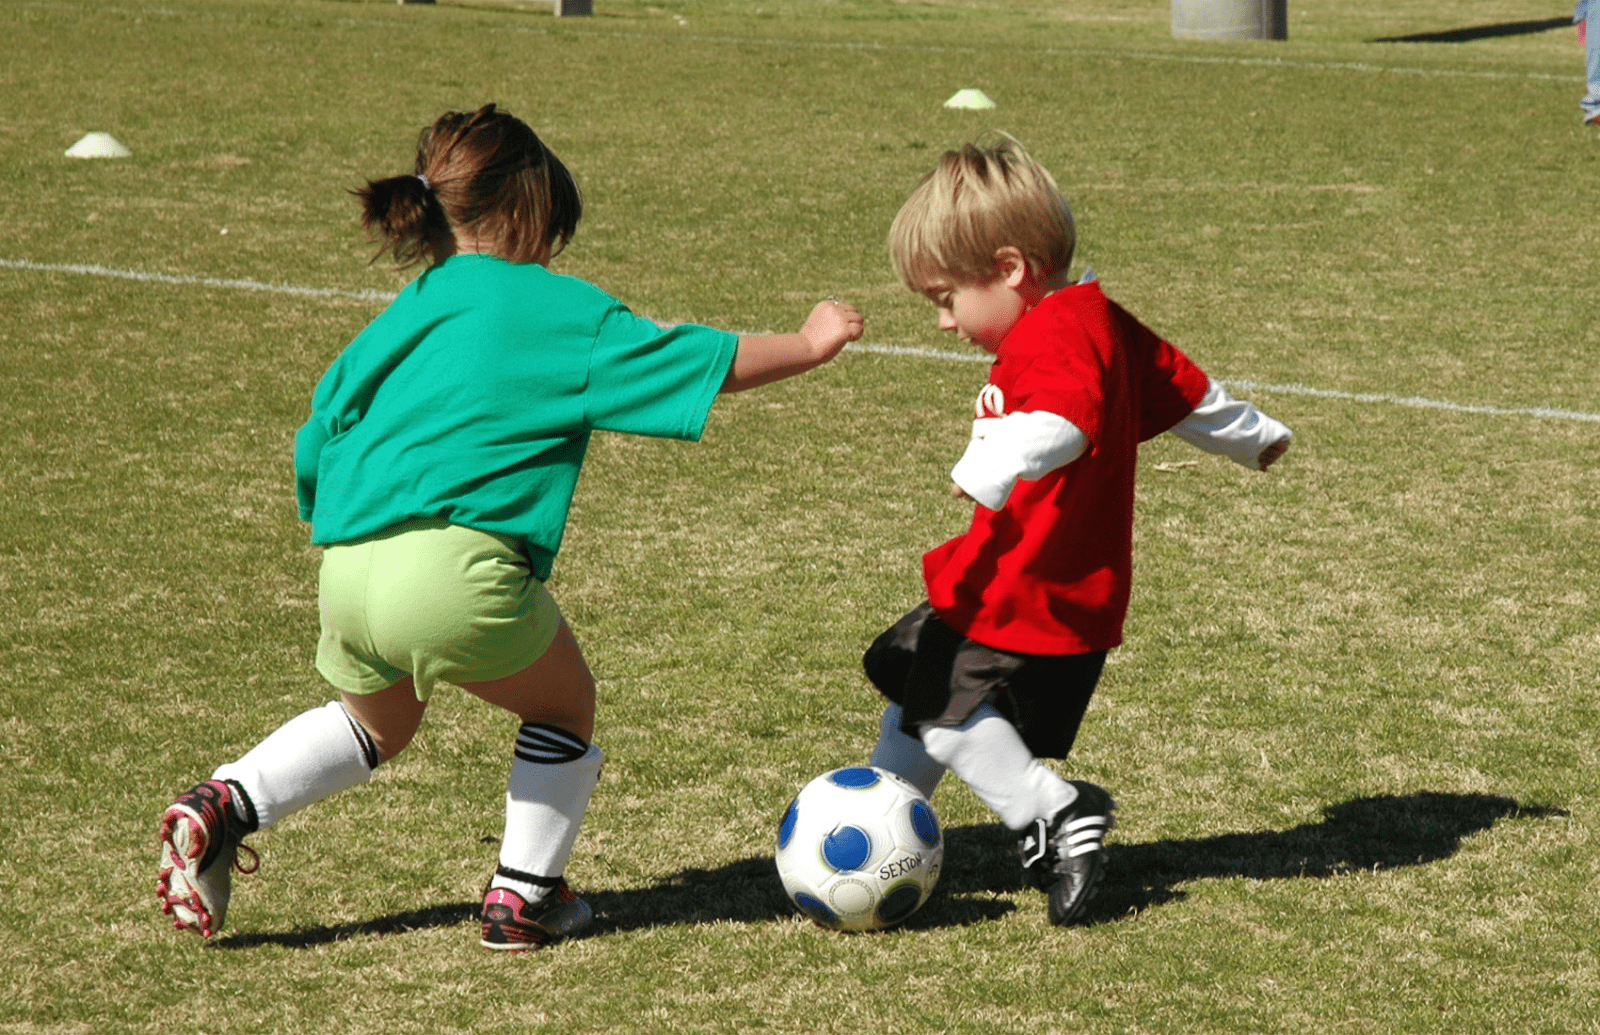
1011 266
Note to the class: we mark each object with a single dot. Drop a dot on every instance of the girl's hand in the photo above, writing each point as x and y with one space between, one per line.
832 325
765 358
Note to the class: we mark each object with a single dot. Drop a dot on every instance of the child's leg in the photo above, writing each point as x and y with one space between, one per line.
554 770
1062 823
313 755
904 755
888 664
988 754
1591 27
390 717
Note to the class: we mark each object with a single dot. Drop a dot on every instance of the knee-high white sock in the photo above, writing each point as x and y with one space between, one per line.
552 777
988 754
905 756
315 754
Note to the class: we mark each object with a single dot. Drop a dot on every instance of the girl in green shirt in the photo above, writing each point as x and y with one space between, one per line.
436 470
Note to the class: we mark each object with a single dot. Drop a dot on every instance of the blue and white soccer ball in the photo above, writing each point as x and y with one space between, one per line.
859 849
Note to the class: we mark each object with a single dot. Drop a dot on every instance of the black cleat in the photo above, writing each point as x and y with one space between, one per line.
1064 856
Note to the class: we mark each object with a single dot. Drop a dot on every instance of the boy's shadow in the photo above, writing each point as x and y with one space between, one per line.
1479 32
1383 832
1378 833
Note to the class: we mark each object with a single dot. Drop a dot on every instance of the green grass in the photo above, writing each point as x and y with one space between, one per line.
1352 728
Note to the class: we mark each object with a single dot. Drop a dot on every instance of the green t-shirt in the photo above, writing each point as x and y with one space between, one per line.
472 396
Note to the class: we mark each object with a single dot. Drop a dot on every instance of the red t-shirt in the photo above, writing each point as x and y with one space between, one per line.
1050 572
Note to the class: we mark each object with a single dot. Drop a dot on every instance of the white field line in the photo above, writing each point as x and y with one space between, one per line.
1541 412
367 295
1069 52
945 355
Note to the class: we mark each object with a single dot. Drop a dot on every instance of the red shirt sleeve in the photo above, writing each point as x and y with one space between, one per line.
1171 384
1061 372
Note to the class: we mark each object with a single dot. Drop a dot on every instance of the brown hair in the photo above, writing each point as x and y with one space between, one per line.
485 172
978 200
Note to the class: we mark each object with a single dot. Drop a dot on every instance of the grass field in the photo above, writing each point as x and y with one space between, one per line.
1353 728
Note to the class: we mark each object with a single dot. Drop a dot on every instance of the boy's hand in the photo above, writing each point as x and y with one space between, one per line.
1270 455
832 325
957 492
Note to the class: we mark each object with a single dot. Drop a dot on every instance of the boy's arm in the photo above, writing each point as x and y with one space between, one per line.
1017 447
764 358
1235 429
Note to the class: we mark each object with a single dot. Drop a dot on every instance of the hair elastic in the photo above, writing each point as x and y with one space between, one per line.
425 184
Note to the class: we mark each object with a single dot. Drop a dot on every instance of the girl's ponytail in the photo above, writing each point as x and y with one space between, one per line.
403 212
484 172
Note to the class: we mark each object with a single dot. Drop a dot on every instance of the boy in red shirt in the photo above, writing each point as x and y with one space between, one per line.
995 670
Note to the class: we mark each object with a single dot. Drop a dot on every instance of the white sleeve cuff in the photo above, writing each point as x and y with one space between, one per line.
1230 427
1018 446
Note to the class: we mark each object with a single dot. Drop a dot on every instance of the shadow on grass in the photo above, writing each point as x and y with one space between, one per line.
453 915
1379 833
1480 32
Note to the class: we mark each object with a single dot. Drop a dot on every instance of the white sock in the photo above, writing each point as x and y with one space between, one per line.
988 754
552 777
904 756
315 754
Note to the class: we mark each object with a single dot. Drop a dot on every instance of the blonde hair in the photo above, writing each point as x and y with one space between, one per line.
977 200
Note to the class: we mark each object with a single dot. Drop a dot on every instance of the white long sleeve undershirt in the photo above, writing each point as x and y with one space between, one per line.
1019 446
1028 445
1230 427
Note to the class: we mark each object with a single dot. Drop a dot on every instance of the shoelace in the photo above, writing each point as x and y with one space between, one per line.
255 860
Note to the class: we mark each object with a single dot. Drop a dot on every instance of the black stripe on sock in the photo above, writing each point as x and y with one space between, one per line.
527 878
369 747
549 745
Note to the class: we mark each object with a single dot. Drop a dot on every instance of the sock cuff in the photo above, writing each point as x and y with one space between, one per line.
549 745
243 808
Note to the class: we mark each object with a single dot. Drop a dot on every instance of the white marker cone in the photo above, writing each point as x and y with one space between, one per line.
98 145
969 98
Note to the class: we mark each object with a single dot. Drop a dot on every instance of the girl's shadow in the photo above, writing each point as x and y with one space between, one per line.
981 872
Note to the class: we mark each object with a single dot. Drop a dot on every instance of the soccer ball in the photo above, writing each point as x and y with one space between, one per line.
859 849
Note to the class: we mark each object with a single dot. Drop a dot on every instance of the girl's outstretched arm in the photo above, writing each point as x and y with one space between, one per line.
765 358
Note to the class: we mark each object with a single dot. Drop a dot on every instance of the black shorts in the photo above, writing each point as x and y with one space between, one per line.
939 678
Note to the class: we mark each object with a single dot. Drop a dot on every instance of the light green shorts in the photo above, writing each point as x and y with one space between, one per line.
433 601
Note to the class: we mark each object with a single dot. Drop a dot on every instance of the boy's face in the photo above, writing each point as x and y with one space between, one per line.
984 313
981 313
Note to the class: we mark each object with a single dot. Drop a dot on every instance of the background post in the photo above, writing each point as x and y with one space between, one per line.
1230 19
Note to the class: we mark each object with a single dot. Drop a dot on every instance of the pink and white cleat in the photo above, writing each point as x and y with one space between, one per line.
513 924
200 842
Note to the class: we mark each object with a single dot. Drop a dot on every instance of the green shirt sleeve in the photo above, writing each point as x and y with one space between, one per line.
645 379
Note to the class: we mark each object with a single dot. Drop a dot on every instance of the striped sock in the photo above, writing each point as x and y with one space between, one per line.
315 754
553 774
